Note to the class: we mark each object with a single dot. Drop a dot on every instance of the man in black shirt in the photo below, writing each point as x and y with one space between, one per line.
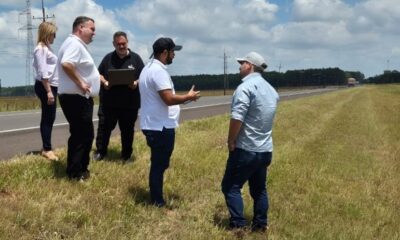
118 103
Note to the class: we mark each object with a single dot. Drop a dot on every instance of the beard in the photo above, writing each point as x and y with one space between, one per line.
169 59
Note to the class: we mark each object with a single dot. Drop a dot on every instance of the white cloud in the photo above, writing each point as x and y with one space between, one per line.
381 16
13 3
396 51
205 29
361 35
320 10
21 4
311 35
65 13
205 20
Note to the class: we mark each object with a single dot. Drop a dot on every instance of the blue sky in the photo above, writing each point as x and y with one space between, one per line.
353 35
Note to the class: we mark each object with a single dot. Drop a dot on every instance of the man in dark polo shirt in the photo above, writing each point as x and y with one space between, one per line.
118 103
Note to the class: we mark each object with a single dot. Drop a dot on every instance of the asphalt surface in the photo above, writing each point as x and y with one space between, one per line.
19 131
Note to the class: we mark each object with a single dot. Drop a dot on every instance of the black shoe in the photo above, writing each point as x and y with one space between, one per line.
239 231
79 177
98 156
158 204
85 175
127 159
259 228
233 226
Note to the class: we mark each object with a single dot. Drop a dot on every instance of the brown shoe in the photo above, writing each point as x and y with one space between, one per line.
49 155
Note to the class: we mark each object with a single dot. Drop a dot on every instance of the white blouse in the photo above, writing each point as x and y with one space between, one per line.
44 63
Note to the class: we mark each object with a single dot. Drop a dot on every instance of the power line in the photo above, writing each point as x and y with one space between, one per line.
226 80
29 38
44 16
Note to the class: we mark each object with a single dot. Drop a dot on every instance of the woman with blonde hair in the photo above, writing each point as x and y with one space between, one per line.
46 84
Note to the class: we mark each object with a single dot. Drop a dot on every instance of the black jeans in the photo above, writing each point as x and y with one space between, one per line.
48 114
78 111
108 118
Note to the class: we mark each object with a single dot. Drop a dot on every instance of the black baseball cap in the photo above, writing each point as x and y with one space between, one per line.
164 43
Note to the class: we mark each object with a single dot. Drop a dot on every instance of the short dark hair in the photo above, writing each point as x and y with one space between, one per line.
120 34
80 20
259 69
164 43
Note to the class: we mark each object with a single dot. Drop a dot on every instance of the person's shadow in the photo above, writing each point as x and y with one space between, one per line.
221 220
58 166
114 155
141 196
59 169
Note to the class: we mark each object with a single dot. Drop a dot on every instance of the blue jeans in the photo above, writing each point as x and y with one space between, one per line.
161 144
245 166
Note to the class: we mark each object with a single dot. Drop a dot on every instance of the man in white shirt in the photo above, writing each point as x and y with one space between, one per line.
79 81
159 113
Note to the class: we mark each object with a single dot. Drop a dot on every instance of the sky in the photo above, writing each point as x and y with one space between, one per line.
353 35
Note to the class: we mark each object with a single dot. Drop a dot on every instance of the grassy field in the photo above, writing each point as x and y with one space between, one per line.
335 175
18 103
8 104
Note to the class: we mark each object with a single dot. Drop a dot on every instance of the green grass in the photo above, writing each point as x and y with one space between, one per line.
335 175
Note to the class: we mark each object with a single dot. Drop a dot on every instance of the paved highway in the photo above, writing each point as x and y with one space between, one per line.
19 131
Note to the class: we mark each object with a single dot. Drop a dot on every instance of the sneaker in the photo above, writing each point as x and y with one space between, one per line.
85 175
98 156
49 155
127 160
82 177
159 204
259 228
239 232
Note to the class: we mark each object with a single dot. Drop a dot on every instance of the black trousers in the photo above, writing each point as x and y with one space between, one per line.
78 111
108 119
48 114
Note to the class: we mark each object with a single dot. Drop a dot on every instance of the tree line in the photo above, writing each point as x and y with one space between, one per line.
386 77
292 78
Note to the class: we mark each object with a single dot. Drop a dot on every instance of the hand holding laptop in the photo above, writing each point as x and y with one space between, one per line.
121 77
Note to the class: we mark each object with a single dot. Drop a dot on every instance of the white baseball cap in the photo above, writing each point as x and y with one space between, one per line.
255 59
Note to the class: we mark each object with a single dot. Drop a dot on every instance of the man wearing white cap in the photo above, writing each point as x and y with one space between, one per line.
250 142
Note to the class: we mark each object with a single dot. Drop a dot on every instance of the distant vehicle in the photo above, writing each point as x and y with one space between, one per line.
352 82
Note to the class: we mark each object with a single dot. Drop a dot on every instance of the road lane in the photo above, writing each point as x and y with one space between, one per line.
19 131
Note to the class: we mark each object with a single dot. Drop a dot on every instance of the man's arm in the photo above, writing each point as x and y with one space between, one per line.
139 65
70 70
234 129
104 82
172 99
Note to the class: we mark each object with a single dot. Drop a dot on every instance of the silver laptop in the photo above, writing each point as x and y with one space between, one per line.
121 76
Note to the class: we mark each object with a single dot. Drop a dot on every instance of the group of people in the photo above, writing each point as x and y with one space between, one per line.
73 76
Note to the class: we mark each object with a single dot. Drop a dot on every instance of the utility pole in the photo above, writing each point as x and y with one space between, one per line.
279 67
44 16
29 39
226 80
29 43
